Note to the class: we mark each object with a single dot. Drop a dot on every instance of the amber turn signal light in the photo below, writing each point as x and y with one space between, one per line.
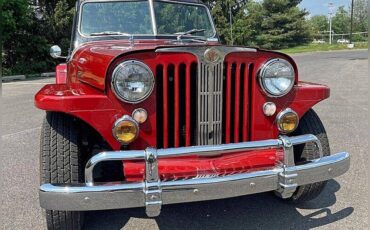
287 121
126 130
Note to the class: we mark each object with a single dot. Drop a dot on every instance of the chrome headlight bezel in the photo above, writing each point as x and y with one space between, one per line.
265 68
117 92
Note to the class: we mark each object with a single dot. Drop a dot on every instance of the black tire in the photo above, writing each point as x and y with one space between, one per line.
61 162
310 124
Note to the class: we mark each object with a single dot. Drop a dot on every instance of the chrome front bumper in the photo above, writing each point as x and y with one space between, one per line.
153 193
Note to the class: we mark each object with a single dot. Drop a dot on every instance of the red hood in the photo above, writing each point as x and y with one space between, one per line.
90 62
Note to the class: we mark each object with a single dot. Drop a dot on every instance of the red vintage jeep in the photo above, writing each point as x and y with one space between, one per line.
150 109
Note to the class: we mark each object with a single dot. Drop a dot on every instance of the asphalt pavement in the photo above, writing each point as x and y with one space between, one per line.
343 204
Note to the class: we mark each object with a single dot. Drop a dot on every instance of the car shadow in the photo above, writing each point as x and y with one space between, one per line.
261 211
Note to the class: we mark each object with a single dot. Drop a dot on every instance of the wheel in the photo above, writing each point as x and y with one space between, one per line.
310 124
61 162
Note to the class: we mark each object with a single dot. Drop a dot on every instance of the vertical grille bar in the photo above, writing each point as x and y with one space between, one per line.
245 103
237 103
188 107
203 105
177 108
200 102
220 100
165 106
215 105
228 103
218 103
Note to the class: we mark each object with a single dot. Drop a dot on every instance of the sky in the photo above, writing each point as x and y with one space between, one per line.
316 7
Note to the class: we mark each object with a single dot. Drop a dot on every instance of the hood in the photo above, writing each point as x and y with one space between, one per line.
91 61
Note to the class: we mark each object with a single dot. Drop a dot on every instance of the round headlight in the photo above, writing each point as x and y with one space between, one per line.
277 77
132 81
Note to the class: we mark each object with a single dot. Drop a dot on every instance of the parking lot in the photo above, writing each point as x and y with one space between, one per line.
343 204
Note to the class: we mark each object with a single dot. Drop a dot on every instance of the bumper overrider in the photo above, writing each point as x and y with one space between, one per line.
153 193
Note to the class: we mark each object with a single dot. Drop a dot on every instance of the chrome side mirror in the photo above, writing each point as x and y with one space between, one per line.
56 52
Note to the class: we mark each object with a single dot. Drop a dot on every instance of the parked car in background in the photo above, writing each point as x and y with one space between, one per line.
320 41
343 41
151 109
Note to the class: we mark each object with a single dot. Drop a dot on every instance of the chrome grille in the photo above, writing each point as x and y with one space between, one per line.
210 84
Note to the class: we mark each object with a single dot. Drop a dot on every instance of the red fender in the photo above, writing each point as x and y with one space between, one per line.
95 108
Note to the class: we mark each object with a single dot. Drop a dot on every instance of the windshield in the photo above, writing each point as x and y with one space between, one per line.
134 18
175 18
125 17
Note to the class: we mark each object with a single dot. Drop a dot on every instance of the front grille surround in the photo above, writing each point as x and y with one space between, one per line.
201 102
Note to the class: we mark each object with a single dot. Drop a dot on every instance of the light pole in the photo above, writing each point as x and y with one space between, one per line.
351 31
330 29
331 7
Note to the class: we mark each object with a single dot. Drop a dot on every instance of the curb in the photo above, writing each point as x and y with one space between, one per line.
24 77
51 74
327 51
13 78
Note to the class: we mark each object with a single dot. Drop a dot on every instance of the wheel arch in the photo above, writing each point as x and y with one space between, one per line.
82 102
84 127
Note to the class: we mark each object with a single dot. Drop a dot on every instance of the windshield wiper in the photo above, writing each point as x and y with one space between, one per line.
181 35
190 32
189 40
110 33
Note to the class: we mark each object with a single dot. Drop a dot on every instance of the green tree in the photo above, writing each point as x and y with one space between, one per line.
361 15
61 21
220 10
341 21
273 24
248 24
222 24
318 24
48 6
23 48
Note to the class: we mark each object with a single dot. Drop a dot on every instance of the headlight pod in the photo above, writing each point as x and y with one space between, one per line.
277 77
132 81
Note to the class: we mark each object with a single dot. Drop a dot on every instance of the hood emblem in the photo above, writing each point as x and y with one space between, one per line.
212 55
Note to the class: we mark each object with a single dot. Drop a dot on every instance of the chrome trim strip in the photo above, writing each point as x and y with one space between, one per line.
199 51
154 20
153 193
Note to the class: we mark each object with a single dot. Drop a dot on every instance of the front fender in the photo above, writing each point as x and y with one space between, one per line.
83 102
302 98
